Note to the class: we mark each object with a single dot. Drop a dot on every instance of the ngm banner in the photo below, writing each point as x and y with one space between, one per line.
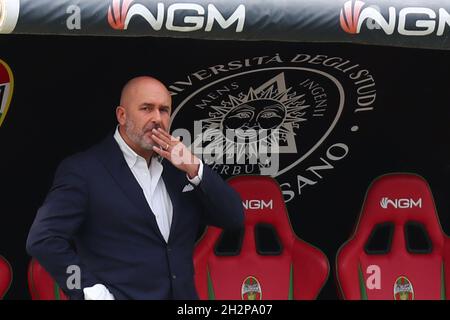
410 23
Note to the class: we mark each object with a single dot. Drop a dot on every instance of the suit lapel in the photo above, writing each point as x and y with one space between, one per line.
112 157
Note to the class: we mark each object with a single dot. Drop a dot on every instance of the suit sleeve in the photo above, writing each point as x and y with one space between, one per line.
222 205
55 225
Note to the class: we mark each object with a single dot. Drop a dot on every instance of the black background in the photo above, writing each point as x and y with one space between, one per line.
67 88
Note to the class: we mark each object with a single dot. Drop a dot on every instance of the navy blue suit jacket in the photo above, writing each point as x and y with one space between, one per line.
96 217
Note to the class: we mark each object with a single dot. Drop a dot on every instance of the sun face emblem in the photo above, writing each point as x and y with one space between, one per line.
272 108
258 114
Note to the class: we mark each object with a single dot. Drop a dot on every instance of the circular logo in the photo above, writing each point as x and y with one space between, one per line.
251 289
403 289
270 118
265 107
6 89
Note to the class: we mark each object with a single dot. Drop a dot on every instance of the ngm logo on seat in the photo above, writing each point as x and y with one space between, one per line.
402 203
194 16
409 21
257 204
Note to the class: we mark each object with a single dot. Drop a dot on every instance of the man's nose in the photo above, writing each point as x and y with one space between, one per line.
156 117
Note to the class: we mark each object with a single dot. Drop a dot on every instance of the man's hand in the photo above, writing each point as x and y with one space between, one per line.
176 152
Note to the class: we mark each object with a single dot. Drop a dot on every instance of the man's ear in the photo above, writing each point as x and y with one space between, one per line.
121 115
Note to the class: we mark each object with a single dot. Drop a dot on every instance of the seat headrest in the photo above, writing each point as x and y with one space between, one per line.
262 200
399 198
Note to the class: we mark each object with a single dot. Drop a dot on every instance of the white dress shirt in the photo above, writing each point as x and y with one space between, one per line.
155 192
149 178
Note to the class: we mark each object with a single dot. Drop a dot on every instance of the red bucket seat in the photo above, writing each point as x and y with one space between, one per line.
265 260
398 250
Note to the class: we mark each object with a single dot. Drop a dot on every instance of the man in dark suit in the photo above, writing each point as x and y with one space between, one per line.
127 220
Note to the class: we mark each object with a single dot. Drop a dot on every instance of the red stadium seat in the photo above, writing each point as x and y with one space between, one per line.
41 284
5 276
265 260
398 250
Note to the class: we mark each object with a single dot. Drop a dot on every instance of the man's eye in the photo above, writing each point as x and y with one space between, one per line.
242 115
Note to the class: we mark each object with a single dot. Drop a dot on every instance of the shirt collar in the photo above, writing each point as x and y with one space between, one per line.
131 157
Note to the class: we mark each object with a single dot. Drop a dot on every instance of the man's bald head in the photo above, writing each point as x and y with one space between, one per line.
135 85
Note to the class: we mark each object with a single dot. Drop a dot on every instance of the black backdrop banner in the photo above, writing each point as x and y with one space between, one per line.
410 23
350 114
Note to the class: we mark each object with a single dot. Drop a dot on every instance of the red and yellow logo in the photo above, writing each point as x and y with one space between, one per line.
251 289
403 289
6 89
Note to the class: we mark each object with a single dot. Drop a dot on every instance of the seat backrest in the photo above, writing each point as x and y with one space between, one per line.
265 260
5 276
41 285
398 250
